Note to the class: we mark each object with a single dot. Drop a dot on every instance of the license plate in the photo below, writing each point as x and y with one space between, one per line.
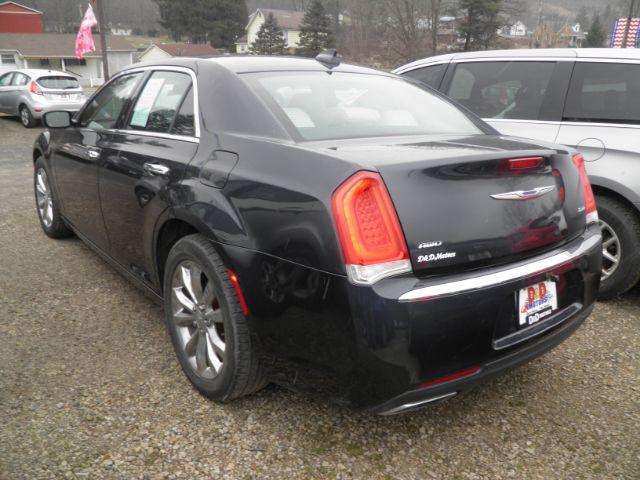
537 302
64 97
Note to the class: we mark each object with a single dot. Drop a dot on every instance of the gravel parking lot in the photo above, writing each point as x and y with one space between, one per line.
90 388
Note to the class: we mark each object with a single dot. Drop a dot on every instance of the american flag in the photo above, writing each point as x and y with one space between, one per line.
620 27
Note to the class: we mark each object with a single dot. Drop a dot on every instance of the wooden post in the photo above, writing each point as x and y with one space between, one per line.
102 25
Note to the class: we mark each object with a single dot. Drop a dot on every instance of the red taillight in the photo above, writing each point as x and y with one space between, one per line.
368 229
236 286
525 163
34 88
449 378
587 192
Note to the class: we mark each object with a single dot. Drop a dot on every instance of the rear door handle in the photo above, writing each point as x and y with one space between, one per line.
156 169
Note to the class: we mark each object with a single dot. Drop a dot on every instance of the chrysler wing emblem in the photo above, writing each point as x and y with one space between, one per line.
524 194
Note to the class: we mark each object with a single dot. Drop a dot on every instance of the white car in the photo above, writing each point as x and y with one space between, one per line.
31 93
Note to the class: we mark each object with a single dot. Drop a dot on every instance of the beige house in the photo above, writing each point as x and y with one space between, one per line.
57 51
163 51
288 20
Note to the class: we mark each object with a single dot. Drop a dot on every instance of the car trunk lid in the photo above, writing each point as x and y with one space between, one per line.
471 202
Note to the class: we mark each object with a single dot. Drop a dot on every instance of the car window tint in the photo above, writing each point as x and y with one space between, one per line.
105 108
512 90
58 82
159 101
431 75
20 79
184 122
344 105
604 92
6 79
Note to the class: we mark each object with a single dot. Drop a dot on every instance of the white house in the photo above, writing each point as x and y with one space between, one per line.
288 20
163 51
517 29
57 51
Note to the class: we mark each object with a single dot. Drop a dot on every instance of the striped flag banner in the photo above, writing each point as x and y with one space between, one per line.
619 29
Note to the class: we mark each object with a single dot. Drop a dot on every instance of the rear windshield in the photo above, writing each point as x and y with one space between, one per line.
58 82
321 106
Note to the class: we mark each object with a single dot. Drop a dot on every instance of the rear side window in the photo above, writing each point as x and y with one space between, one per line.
105 108
164 100
604 92
510 90
63 83
184 122
431 75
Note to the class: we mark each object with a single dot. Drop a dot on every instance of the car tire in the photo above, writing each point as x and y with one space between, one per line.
621 242
220 375
26 118
46 203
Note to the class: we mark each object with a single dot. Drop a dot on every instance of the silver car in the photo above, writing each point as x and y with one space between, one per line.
588 99
31 93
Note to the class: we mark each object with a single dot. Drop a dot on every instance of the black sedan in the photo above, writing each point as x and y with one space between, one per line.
330 228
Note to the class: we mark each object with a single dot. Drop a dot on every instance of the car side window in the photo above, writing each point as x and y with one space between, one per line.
431 75
510 90
105 108
20 79
158 107
184 122
604 92
5 80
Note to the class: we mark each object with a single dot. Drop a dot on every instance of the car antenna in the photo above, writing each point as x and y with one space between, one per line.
329 58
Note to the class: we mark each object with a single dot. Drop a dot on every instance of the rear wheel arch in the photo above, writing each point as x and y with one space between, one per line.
169 233
601 191
621 250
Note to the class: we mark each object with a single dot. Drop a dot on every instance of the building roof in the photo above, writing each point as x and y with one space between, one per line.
189 49
287 19
49 45
13 7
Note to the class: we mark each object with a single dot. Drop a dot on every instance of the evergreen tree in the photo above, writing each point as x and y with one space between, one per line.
219 22
596 35
481 23
315 31
270 39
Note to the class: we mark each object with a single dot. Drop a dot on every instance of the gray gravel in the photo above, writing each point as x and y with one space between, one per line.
89 388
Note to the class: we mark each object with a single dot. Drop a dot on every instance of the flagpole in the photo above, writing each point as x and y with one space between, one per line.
103 42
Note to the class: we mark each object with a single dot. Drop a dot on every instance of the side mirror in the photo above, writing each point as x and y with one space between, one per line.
59 119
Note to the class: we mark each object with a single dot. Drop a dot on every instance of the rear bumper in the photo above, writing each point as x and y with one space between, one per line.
419 398
39 109
414 332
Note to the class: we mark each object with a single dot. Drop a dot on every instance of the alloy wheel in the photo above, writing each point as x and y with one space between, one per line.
611 250
24 116
198 319
43 197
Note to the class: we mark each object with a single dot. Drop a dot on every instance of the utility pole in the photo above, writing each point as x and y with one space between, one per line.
102 25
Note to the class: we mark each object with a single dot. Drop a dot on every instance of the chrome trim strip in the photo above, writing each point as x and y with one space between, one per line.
564 122
407 406
503 276
159 135
514 59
